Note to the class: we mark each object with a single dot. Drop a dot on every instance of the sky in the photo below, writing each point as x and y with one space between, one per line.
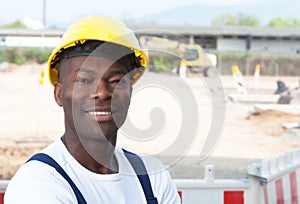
64 12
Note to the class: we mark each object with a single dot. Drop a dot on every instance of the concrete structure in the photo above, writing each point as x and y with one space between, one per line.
228 38
29 38
232 38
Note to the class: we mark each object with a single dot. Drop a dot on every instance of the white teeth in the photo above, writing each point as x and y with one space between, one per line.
99 113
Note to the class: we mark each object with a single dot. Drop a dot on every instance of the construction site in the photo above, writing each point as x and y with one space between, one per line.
255 128
244 113
251 130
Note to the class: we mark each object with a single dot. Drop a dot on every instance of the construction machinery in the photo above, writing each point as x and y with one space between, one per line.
191 56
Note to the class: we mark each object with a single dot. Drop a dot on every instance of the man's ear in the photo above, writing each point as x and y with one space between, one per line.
58 93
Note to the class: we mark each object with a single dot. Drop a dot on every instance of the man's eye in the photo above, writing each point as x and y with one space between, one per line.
82 80
121 82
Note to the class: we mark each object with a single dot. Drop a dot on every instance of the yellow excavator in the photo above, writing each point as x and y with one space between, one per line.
192 56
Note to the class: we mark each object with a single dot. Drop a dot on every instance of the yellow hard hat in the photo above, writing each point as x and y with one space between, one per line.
99 28
235 69
257 68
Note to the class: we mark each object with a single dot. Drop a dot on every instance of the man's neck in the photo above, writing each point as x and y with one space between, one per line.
95 155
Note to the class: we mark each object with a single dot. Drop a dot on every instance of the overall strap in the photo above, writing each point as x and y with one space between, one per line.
142 175
51 162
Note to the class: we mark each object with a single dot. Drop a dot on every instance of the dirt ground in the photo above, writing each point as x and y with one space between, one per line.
14 155
30 120
271 121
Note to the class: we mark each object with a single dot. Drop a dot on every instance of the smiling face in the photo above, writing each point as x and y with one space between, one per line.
95 94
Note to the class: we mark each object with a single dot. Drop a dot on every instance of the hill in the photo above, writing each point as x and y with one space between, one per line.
203 14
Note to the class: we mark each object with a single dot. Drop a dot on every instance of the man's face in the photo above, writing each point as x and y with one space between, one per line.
95 94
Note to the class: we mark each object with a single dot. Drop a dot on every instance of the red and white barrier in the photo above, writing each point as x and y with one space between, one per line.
282 190
210 190
3 185
280 178
213 192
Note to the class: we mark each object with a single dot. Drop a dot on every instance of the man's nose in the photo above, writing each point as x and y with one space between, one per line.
102 91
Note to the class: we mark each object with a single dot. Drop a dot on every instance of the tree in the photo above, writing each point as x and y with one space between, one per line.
280 22
246 20
239 20
224 19
16 24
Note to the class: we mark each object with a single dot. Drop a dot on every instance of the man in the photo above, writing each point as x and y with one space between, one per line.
93 70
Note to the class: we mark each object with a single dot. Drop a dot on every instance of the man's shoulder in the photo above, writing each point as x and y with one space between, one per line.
34 182
34 179
34 170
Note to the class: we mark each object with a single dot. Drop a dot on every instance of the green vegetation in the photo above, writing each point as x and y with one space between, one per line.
280 64
25 55
16 24
239 20
163 62
273 64
280 22
246 20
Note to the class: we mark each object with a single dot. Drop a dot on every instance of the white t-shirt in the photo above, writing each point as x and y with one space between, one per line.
36 182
